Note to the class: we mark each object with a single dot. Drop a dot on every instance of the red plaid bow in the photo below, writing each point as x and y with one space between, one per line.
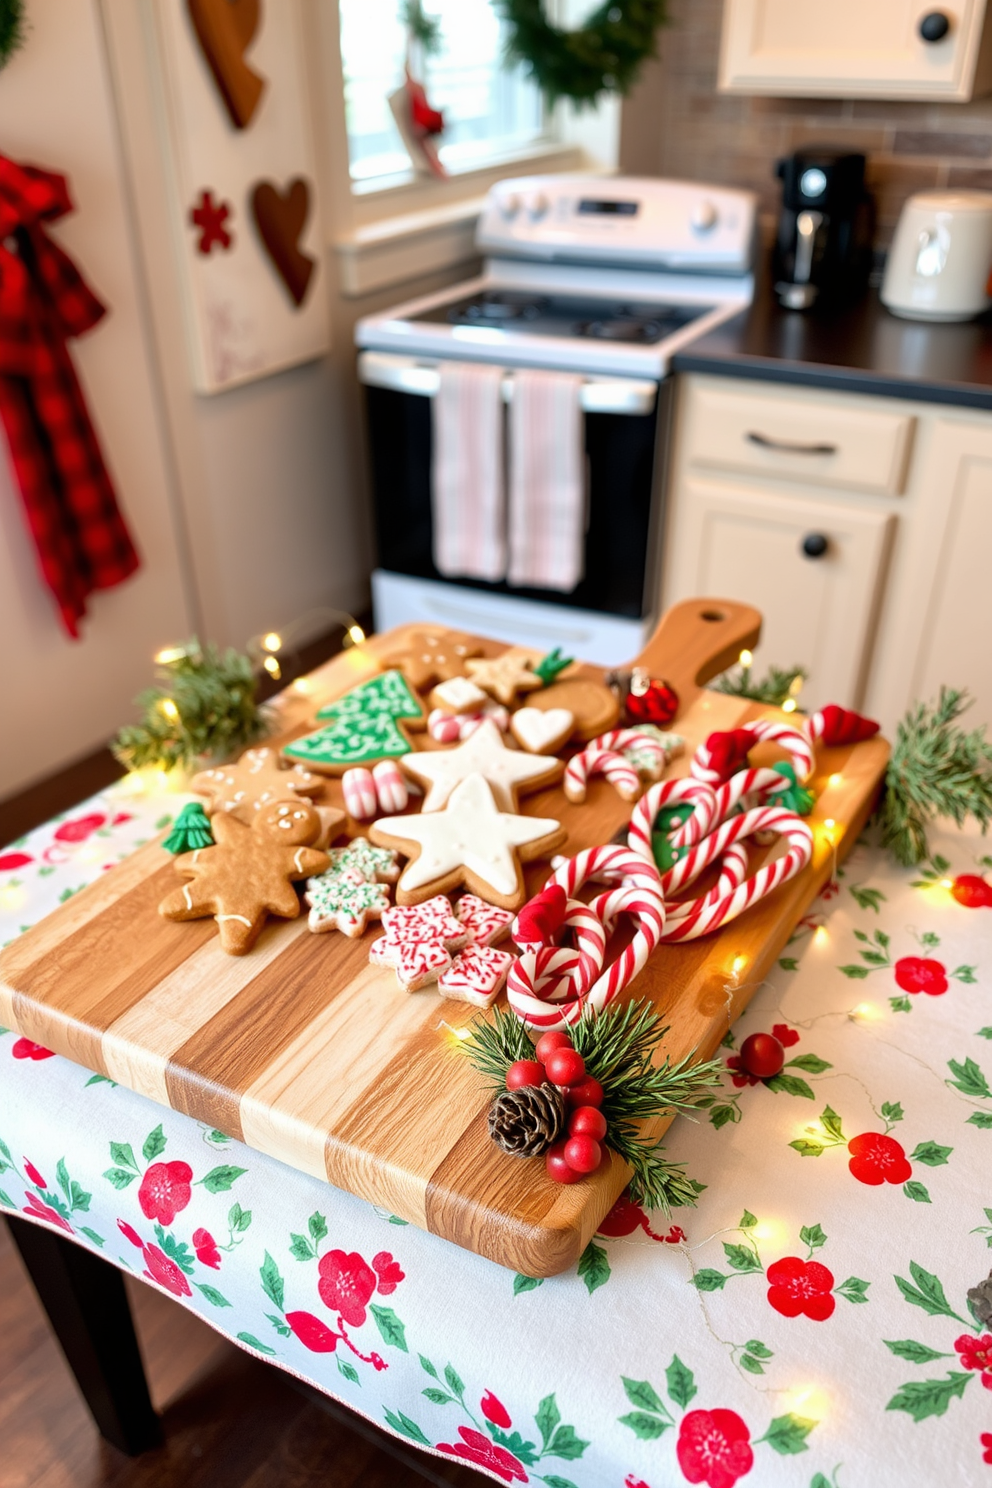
72 512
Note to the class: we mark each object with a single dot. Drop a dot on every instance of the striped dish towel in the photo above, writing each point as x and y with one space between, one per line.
467 473
547 481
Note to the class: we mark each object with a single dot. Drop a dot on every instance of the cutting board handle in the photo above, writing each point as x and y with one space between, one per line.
698 639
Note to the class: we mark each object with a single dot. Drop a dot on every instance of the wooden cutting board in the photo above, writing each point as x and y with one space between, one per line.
304 1051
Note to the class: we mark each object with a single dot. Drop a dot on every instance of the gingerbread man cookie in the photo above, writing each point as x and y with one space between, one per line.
256 779
249 873
433 656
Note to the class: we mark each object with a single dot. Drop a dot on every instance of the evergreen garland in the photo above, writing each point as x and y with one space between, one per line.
618 1046
936 769
11 29
776 688
602 56
422 28
204 705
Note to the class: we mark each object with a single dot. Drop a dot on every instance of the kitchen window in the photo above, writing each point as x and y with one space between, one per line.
491 112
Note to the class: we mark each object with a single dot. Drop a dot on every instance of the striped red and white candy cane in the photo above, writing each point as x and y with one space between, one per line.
612 863
589 933
618 771
747 788
671 793
762 730
555 974
620 740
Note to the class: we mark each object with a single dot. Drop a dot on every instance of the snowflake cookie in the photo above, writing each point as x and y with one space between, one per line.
475 976
351 892
418 941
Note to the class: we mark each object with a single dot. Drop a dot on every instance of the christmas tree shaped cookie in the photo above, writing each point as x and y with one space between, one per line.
365 725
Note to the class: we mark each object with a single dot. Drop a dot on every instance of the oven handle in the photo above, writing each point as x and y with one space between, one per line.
403 374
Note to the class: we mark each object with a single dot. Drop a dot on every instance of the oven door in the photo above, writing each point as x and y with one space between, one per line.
621 422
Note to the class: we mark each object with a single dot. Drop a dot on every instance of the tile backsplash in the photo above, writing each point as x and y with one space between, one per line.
677 124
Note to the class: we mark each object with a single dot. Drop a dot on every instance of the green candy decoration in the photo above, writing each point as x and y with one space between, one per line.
665 855
190 830
793 796
549 667
364 727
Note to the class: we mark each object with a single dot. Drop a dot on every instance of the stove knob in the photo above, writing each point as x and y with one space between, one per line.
509 205
536 205
704 217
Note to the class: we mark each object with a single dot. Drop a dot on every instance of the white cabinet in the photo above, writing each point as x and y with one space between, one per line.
854 49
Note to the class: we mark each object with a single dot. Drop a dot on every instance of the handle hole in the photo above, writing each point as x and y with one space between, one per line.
712 615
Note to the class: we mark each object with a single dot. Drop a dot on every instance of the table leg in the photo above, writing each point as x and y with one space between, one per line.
87 1307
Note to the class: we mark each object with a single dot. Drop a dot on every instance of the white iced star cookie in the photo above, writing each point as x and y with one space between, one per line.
470 842
508 771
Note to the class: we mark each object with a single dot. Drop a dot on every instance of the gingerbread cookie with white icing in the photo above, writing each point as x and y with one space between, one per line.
252 782
431 656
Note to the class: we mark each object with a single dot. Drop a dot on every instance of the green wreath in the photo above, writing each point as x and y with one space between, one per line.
11 29
603 56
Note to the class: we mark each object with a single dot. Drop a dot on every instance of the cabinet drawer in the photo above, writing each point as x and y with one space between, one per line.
806 439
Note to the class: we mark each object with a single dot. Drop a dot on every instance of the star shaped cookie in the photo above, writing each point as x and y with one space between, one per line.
470 842
508 771
504 676
255 780
433 656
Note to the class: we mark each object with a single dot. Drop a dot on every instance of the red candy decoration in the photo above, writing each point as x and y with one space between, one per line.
587 1092
972 891
841 726
728 751
656 703
558 1169
541 918
584 1154
549 1042
762 1056
587 1121
524 1072
565 1067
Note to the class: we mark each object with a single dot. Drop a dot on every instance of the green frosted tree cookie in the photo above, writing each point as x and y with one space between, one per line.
364 726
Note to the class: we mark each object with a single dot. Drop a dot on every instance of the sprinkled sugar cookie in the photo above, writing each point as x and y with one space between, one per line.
351 891
367 724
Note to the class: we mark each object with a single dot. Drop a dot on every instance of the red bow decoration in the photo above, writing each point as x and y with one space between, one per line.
840 726
79 534
541 917
426 120
728 751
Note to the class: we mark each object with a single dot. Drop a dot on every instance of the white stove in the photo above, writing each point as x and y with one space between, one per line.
607 277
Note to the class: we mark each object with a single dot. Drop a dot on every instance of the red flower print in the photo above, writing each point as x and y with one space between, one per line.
10 861
206 1248
346 1285
714 1447
786 1036
494 1410
915 974
388 1272
80 829
986 1440
975 1353
120 818
474 1447
878 1159
130 1234
161 1269
675 1235
34 1175
37 1210
830 889
968 889
27 1049
796 1286
741 1076
631 1482
312 1333
165 1189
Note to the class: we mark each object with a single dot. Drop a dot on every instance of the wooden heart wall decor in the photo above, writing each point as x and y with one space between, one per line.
280 218
225 30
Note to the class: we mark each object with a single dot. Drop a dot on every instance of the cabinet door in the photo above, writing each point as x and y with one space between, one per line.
955 647
818 611
849 49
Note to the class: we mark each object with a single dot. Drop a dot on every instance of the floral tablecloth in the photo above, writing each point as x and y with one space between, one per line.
807 1324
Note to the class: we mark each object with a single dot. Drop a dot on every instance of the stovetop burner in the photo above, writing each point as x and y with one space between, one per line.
624 328
498 307
522 312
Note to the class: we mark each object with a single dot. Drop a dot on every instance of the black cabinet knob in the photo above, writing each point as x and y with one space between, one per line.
814 545
935 25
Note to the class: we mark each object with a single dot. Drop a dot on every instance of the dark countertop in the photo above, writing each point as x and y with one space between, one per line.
861 349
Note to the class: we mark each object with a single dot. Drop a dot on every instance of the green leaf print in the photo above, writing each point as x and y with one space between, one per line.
121 1153
741 1257
256 1343
552 1480
154 1144
856 973
969 1079
900 1004
317 1225
547 1418
761 1350
566 1444
811 1063
644 1396
916 1353
748 1220
239 1219
923 1398
390 1327
272 1283
830 1122
931 1153
813 1236
789 1085
438 1397
892 1111
454 1380
348 1370
985 1033
916 1191
523 1283
788 963
807 1148
92 1235
594 1267
681 1382
120 1177
787 1434
281 1328
866 898
751 1364
709 1280
514 1442
212 1294
647 1428
964 974
176 1250
854 1289
219 1180
401 1423
981 1119
301 1249
927 1293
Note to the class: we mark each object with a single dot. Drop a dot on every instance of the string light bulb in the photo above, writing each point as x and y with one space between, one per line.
169 654
168 710
272 667
355 636
947 883
834 781
746 660
789 706
272 641
738 966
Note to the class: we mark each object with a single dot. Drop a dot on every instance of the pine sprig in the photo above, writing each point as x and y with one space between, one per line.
773 689
423 28
11 29
936 769
204 704
494 1046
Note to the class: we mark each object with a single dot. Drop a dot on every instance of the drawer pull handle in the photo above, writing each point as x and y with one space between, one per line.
786 446
935 26
815 545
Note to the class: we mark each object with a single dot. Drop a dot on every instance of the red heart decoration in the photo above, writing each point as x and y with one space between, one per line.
541 919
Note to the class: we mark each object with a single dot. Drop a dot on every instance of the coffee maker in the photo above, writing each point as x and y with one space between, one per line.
823 249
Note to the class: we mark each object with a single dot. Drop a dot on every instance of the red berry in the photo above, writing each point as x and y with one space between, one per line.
524 1072
762 1055
565 1066
587 1092
971 891
558 1168
584 1154
549 1042
587 1121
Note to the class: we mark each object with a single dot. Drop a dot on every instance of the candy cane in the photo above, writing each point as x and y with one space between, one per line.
390 787
747 788
359 793
611 863
671 793
622 740
618 771
796 745
555 974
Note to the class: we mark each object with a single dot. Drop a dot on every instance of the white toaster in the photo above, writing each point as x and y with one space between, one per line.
940 263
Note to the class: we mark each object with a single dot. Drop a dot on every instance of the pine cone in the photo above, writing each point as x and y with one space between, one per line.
525 1122
980 1298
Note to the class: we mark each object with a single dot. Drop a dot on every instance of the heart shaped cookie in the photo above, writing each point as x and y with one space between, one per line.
224 29
280 218
542 731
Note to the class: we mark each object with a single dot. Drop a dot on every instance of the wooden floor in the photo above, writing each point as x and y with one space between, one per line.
229 1421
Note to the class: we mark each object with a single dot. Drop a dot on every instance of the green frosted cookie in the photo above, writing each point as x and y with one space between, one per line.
365 726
